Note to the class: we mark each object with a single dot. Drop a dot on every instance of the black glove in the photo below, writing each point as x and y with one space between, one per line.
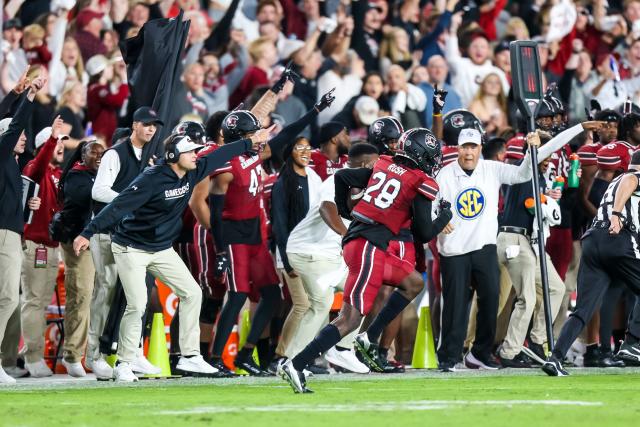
287 75
326 100
439 95
222 265
444 204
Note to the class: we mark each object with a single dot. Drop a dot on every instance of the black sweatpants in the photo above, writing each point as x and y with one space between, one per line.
605 258
457 272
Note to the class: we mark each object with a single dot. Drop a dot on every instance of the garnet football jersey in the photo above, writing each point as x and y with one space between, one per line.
449 154
615 156
242 200
588 154
324 166
390 192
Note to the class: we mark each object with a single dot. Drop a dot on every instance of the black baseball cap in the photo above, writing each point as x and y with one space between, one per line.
501 47
147 115
12 23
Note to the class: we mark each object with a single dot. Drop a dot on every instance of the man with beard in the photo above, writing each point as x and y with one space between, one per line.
332 154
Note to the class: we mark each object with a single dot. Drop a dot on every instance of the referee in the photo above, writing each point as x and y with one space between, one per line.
147 217
472 184
610 251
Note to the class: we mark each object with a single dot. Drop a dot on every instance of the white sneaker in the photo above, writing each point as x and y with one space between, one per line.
74 369
38 369
347 360
195 365
16 372
123 373
142 366
6 379
101 369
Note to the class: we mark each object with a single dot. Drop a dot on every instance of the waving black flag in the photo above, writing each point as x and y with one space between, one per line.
154 67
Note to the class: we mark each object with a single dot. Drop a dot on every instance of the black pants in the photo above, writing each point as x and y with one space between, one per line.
457 272
605 258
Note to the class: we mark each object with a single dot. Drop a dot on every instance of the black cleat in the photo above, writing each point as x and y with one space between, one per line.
447 366
608 360
520 361
630 354
591 358
368 351
295 378
250 366
553 367
535 353
223 370
275 363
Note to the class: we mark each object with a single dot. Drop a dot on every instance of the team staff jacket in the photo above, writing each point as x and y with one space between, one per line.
148 213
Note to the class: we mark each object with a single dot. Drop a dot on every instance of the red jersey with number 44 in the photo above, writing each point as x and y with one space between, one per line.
390 193
242 200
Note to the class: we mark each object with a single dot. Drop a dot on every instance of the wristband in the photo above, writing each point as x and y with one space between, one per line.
618 214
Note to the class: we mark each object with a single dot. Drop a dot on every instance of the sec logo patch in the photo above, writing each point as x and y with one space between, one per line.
470 203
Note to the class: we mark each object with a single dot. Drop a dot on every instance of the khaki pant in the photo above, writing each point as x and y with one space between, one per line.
504 310
300 305
38 285
525 275
79 275
310 268
167 266
11 341
10 262
104 288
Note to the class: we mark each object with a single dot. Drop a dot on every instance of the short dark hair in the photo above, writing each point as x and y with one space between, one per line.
361 149
492 147
627 124
214 124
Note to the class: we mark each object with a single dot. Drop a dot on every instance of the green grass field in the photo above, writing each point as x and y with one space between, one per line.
515 398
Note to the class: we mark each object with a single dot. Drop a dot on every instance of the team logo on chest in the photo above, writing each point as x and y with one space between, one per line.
470 203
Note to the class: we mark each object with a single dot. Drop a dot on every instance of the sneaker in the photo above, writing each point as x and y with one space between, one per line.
142 366
74 369
296 379
250 366
223 370
38 369
346 359
6 379
484 363
102 370
630 353
535 352
446 366
275 363
368 351
521 360
608 360
196 367
15 371
553 367
391 366
123 373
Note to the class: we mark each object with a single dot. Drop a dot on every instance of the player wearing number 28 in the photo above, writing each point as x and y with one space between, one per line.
397 189
472 185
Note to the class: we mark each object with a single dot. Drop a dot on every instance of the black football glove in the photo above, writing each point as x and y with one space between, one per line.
439 95
287 75
445 210
222 265
326 100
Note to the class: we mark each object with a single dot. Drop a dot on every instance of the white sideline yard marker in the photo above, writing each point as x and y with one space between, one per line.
418 405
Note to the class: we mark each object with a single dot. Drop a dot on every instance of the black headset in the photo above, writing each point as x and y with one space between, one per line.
171 153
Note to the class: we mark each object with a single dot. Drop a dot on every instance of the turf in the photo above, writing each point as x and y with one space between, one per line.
514 398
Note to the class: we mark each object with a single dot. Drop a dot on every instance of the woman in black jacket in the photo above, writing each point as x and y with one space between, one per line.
76 183
295 191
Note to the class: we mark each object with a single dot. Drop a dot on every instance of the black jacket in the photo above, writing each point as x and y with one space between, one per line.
76 210
148 213
11 208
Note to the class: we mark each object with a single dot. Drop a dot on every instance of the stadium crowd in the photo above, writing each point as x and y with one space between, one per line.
258 223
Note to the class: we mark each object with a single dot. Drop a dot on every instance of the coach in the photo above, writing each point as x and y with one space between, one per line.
147 216
472 185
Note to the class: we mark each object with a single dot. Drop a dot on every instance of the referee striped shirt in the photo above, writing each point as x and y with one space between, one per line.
631 209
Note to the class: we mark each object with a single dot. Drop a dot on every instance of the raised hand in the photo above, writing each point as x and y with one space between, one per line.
326 101
56 127
439 95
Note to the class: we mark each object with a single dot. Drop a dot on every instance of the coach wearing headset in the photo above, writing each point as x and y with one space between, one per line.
147 217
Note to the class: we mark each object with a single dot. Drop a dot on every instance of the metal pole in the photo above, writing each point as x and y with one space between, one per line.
541 250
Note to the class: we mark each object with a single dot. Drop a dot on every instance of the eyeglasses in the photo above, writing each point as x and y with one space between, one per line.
302 147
